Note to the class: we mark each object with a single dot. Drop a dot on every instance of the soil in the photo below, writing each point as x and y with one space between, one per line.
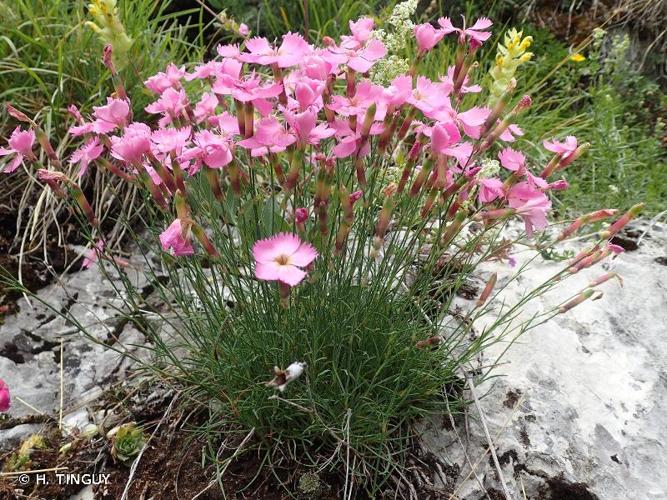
171 466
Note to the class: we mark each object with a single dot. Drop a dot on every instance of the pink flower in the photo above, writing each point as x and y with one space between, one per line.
316 67
427 36
509 133
304 125
398 92
243 29
250 89
172 103
350 140
367 93
206 107
428 97
445 139
74 111
490 189
91 254
90 151
308 92
231 50
173 239
531 205
361 29
270 136
563 149
444 135
290 52
135 142
448 82
171 78
227 67
281 257
359 51
20 145
512 160
476 33
112 115
5 400
212 149
170 140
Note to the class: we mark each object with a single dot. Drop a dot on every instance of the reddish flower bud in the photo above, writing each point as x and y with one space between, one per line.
17 115
486 293
583 296
300 215
604 278
620 223
356 196
429 342
107 54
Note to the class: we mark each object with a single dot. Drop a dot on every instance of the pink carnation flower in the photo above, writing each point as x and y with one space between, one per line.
490 190
270 136
5 400
135 142
171 78
91 255
427 36
563 149
171 103
212 149
281 257
20 145
512 160
531 205
173 239
112 115
290 52
476 33
87 153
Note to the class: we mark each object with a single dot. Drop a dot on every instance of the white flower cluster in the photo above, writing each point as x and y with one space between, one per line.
490 168
399 27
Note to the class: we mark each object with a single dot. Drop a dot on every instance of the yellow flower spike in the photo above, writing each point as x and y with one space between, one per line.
577 58
510 55
110 29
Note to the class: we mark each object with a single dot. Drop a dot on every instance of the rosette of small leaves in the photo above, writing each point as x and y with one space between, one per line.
127 442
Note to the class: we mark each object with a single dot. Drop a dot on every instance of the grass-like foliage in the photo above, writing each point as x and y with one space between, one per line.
312 217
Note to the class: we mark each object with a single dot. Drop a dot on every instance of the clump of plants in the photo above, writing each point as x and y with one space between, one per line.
313 229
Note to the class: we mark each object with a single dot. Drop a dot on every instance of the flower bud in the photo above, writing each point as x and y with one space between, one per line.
18 115
203 239
429 342
620 223
583 296
604 278
107 54
488 289
300 215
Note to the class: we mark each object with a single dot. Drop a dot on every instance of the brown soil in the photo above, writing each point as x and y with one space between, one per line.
36 273
171 468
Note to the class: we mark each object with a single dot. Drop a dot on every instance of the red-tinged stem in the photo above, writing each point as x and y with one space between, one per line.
214 181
